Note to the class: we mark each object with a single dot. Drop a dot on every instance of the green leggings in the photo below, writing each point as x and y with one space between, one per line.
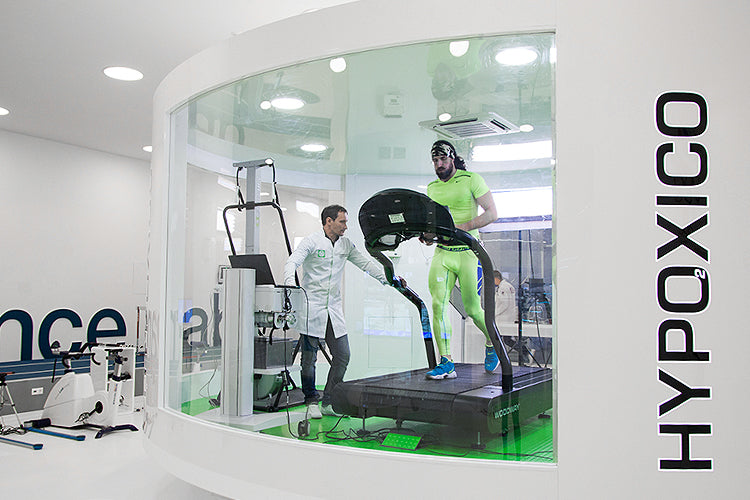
447 265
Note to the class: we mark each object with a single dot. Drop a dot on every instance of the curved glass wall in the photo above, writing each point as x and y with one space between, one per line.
253 164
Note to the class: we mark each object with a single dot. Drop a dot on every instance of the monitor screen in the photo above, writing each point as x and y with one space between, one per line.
259 262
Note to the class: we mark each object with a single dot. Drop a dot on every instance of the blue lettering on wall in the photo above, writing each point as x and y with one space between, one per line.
44 328
93 331
27 329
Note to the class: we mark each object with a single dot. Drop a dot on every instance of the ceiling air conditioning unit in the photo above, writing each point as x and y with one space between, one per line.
469 127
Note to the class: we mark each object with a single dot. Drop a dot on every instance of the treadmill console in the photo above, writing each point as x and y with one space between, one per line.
395 215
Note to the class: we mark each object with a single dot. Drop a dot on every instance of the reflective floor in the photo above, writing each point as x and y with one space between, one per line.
114 467
532 441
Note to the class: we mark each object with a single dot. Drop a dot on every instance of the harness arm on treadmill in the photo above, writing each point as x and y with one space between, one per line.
250 206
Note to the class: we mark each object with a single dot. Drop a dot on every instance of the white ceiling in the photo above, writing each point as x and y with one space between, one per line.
54 52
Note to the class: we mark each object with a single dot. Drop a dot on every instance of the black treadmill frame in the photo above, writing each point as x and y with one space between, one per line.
387 219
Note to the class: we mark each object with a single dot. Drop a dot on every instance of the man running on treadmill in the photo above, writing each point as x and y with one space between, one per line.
462 192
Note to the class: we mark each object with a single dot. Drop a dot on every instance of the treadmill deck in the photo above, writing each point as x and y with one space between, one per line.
474 399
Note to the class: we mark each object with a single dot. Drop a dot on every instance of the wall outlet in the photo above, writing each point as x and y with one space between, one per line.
37 391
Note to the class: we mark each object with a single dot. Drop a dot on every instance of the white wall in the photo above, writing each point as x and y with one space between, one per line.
74 235
614 60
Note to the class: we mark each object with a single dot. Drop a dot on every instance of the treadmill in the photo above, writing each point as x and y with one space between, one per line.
475 400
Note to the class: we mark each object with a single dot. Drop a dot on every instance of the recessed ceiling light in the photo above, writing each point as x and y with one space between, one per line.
148 149
313 148
444 117
288 103
516 56
122 73
459 48
337 65
526 127
4 112
265 105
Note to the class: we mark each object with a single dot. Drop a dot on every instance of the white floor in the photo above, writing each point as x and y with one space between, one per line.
114 467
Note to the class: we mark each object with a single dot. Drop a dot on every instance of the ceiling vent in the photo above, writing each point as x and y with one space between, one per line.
469 127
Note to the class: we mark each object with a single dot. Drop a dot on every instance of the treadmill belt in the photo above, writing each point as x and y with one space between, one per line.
470 377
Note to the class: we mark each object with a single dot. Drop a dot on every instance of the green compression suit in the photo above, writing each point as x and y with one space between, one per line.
459 194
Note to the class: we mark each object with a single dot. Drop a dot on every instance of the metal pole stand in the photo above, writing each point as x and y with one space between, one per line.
5 392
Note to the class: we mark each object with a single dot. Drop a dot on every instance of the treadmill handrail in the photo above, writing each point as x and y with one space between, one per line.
411 296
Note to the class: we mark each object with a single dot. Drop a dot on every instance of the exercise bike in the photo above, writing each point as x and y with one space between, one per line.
73 403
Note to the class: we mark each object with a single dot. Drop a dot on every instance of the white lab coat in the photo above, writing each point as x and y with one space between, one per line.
323 264
506 309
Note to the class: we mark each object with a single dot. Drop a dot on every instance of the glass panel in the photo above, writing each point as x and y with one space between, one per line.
253 165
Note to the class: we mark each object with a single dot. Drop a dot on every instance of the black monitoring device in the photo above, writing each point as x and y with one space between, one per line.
259 262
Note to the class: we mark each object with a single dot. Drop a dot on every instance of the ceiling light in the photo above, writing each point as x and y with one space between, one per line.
511 152
121 73
4 112
313 148
337 65
312 151
148 149
459 48
265 105
287 103
517 56
444 117
526 127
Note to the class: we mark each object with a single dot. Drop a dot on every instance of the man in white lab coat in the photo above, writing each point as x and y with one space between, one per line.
323 256
506 309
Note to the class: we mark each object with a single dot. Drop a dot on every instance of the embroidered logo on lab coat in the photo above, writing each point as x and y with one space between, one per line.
321 253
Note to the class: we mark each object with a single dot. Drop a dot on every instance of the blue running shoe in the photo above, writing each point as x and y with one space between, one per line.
490 359
444 370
